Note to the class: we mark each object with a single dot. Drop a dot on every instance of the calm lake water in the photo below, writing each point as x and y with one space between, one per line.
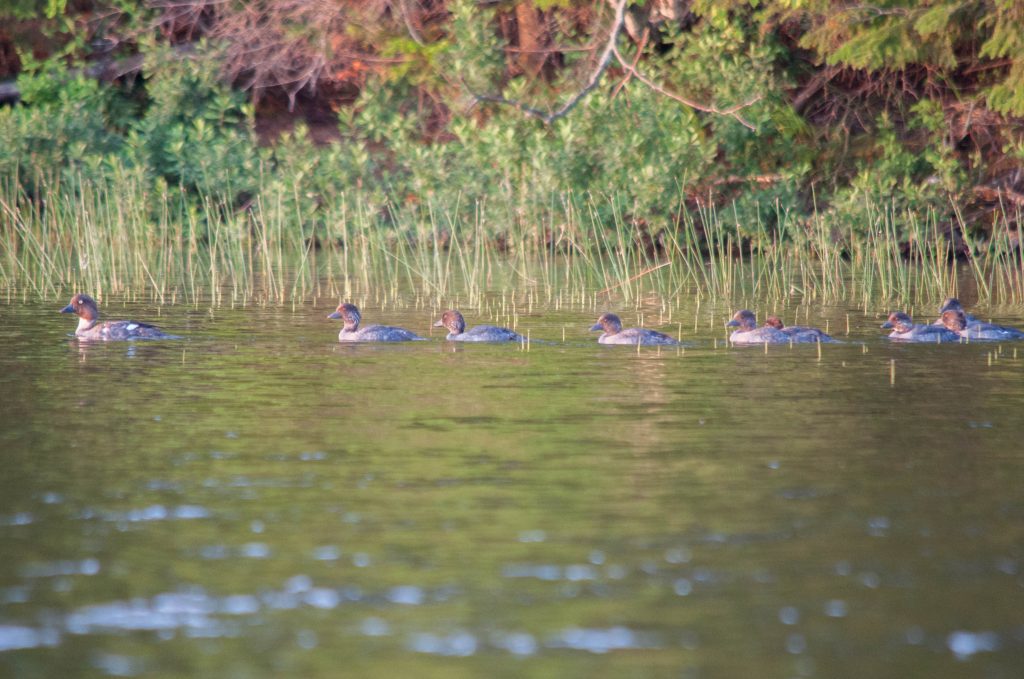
256 500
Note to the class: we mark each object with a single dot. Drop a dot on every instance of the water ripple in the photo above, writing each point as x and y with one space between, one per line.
144 514
61 568
459 643
964 644
602 640
15 637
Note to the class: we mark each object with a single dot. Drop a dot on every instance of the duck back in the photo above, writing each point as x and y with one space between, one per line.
762 335
634 336
378 333
487 333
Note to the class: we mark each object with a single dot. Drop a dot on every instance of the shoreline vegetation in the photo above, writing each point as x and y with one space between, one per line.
116 238
719 150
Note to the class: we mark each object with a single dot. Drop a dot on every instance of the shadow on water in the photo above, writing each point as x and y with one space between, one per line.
258 500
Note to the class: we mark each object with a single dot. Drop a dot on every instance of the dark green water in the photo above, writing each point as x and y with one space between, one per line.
258 501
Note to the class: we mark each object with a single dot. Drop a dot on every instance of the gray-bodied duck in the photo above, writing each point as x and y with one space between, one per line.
351 332
453 321
613 333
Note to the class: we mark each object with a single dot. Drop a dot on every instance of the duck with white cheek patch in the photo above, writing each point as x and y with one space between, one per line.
91 328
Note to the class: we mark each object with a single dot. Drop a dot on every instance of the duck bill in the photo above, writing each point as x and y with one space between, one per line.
336 315
438 324
68 309
596 326
733 324
886 326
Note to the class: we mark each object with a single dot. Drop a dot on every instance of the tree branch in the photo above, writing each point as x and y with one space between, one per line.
639 52
611 50
732 111
595 78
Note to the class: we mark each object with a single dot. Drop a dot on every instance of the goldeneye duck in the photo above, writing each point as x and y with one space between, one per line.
749 333
614 334
456 325
958 323
976 329
953 304
351 331
90 328
798 333
904 330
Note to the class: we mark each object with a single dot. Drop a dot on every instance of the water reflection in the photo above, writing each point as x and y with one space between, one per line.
241 501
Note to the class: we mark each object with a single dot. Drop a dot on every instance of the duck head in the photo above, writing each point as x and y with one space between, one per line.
744 319
774 322
453 321
85 308
609 323
954 320
950 304
899 321
349 313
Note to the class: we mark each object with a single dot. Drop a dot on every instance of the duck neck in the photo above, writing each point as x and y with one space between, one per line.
85 324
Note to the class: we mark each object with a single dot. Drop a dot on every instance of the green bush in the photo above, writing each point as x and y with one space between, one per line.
915 177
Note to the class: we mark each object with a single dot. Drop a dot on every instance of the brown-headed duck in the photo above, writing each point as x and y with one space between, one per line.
351 332
91 328
904 330
456 325
749 333
953 304
613 333
798 333
977 329
958 323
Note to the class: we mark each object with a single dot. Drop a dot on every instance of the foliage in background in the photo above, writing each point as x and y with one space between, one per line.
914 106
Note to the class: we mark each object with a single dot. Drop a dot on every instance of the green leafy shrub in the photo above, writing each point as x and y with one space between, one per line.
908 177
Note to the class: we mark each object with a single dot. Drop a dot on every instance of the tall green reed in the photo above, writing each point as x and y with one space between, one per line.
121 236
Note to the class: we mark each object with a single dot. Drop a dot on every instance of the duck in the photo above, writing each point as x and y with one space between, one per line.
798 333
456 325
613 333
749 333
904 330
953 304
91 328
956 321
351 332
977 329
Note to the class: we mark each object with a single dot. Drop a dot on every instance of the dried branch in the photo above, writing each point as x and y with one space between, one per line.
643 273
752 179
820 80
999 194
